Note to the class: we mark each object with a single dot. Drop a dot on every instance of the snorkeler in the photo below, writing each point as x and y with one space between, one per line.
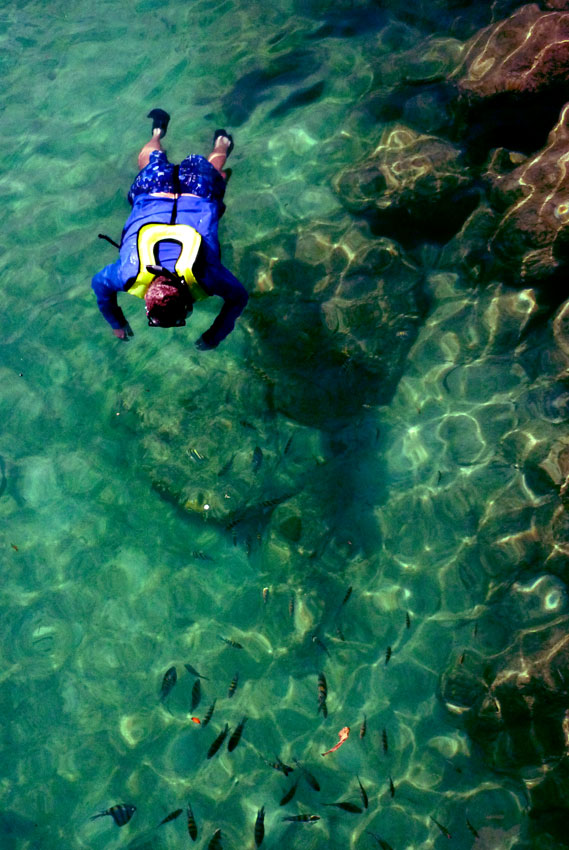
169 251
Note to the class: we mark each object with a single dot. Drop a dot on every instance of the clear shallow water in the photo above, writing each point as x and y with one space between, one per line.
112 571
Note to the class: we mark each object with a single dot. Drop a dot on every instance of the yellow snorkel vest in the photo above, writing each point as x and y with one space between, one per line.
149 236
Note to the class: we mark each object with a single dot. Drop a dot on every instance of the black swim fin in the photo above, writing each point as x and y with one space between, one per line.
160 120
219 133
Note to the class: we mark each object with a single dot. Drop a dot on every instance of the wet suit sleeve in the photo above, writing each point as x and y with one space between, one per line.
217 280
106 284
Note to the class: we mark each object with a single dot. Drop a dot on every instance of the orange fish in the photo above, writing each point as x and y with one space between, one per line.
195 719
343 736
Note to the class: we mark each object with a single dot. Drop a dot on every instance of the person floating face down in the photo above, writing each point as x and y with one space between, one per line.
169 253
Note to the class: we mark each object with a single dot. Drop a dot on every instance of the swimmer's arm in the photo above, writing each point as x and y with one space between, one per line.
217 280
105 285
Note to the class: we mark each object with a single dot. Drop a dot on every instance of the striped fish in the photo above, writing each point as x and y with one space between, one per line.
168 682
218 742
233 685
121 813
192 826
196 695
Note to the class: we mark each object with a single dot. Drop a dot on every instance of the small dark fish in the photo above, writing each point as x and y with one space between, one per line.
192 825
236 736
320 643
383 844
302 818
201 556
472 829
215 841
218 742
363 727
387 654
194 672
209 713
347 807
340 633
462 657
312 781
265 595
407 620
289 794
363 794
475 630
291 606
439 476
196 695
232 643
171 816
322 688
280 765
288 445
260 827
257 458
168 682
391 787
233 685
347 596
121 813
442 828
384 741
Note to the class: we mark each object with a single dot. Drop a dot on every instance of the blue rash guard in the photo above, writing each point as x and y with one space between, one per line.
214 278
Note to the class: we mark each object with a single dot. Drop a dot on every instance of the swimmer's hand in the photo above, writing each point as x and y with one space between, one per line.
123 333
202 345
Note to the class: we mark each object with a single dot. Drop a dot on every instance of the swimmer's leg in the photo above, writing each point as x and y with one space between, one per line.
160 120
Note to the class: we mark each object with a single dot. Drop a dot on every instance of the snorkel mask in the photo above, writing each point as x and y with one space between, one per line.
170 316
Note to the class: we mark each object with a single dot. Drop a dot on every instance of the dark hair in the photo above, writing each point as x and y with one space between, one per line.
166 305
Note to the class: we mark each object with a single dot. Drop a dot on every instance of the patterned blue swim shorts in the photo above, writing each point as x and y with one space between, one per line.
197 177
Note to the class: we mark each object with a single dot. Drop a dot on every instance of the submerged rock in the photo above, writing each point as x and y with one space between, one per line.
333 317
511 82
532 236
521 232
524 53
409 176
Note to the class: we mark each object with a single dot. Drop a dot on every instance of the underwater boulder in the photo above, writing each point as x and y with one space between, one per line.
524 53
334 322
511 82
410 179
530 201
511 693
214 448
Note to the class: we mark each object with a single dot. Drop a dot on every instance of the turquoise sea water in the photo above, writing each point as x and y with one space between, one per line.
136 528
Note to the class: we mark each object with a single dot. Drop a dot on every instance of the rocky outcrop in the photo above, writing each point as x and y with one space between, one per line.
513 697
315 316
525 53
410 178
532 195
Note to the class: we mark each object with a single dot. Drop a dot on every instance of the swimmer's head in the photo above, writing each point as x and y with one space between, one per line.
167 304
